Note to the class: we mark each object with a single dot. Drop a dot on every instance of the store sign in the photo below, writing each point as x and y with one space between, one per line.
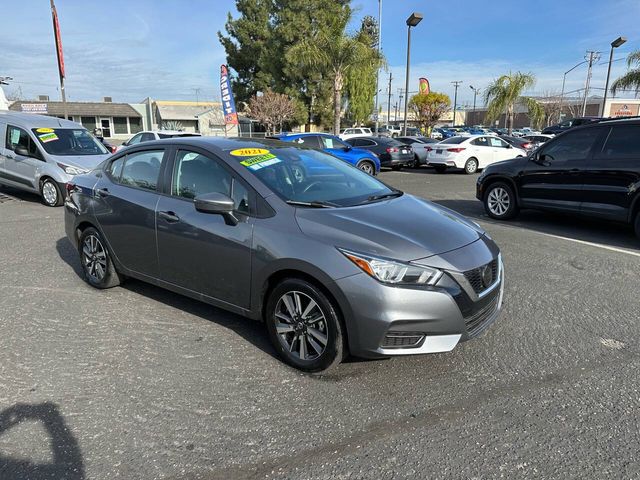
34 107
623 110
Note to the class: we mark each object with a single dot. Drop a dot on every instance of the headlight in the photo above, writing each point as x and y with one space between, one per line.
69 170
393 272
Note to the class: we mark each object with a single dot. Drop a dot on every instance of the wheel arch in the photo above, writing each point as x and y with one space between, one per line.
499 178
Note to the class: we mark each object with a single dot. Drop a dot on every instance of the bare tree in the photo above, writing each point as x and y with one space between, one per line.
272 110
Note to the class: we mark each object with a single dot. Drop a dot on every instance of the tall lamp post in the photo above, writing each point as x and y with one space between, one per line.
412 21
456 84
564 78
615 44
475 93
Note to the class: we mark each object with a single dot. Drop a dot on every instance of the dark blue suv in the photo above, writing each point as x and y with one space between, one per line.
363 159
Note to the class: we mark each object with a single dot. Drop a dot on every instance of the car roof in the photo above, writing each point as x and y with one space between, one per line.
217 144
32 120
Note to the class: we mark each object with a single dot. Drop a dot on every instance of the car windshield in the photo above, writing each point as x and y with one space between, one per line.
455 140
69 141
304 176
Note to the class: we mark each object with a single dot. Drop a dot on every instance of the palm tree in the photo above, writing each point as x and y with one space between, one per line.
335 57
631 79
504 92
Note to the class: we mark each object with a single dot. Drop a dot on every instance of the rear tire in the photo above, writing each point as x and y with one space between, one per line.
50 193
416 162
304 326
440 168
97 265
471 166
500 201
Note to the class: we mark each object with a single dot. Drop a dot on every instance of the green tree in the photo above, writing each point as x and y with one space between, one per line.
631 79
535 111
249 47
360 83
429 108
504 92
334 55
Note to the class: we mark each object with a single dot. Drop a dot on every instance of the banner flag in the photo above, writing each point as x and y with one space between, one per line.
228 104
424 86
56 32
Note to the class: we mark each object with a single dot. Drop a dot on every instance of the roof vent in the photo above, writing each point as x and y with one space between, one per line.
43 98
107 99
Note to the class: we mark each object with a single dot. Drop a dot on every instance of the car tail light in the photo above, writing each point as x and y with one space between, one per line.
428 149
70 187
113 148
455 150
526 145
392 149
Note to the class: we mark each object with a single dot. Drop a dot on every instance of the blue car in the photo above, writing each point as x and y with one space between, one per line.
363 159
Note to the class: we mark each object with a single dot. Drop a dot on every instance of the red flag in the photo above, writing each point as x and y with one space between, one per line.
56 31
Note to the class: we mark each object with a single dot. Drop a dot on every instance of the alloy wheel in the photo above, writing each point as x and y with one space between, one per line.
301 325
94 258
471 166
49 192
498 201
366 168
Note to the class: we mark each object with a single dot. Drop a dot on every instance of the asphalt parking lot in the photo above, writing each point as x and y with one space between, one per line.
136 382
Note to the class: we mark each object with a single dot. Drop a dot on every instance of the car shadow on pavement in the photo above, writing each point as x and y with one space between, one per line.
20 194
66 458
564 225
250 330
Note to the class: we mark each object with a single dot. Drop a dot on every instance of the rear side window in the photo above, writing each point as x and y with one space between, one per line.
141 169
481 142
147 137
362 142
308 141
622 142
574 145
455 140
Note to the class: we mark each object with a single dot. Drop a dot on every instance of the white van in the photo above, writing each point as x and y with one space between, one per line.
41 154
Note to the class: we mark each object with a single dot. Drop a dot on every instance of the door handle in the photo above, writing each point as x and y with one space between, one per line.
169 217
102 192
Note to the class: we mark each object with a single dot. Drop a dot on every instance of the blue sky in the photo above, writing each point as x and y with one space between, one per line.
167 49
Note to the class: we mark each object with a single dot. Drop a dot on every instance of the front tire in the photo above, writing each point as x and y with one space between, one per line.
471 166
50 193
97 265
500 201
304 326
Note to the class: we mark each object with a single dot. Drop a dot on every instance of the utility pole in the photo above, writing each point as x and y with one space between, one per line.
378 70
395 114
401 96
456 84
197 90
389 101
593 57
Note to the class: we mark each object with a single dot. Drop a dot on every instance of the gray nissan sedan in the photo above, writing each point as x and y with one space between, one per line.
332 260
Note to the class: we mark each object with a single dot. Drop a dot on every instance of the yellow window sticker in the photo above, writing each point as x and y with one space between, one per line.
248 152
47 137
45 130
261 161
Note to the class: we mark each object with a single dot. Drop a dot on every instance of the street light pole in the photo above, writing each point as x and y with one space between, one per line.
564 78
456 84
378 71
475 93
412 21
615 44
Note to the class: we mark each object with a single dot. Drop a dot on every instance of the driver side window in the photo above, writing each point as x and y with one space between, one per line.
17 137
570 146
328 142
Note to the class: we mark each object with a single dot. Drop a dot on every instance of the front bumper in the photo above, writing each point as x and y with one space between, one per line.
389 321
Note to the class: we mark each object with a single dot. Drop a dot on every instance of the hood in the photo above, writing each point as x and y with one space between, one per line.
87 162
404 228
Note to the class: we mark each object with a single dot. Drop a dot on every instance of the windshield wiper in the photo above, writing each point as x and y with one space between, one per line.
393 194
312 204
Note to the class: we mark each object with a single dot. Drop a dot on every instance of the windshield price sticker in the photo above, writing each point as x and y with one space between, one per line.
248 152
261 161
45 130
48 137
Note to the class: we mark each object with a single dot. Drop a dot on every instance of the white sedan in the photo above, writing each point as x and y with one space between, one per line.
470 153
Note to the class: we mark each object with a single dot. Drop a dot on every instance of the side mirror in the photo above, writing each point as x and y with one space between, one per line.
509 145
347 148
19 150
217 203
125 144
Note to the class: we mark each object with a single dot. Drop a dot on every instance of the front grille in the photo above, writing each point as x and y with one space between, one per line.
475 323
482 277
402 339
